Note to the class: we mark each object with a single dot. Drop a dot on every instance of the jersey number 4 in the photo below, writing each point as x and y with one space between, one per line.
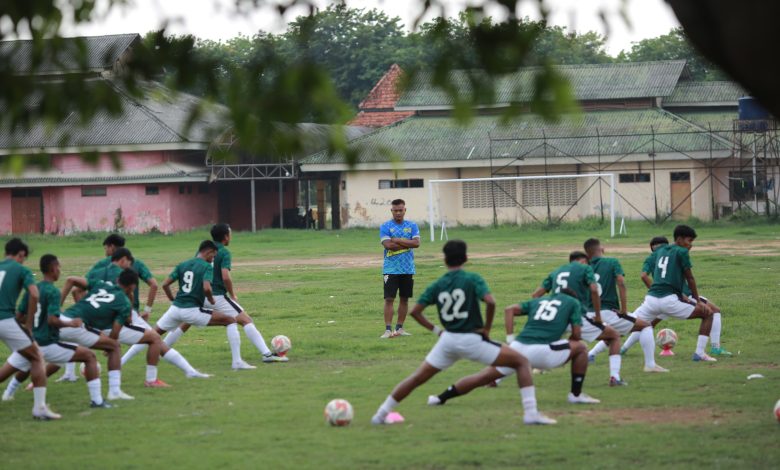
663 262
547 310
446 300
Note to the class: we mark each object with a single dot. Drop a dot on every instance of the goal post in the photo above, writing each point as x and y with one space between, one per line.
609 176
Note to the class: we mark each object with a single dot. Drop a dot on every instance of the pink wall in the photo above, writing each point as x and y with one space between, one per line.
195 209
5 211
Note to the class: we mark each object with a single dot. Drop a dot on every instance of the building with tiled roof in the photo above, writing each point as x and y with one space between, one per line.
669 141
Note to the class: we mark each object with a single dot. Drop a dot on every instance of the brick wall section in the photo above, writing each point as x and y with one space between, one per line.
377 109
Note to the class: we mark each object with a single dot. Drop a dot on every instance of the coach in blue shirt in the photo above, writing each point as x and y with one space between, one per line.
399 237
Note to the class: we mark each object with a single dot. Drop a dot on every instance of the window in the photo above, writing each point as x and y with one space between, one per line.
152 190
185 188
680 176
742 189
480 194
562 192
93 191
26 192
634 177
405 183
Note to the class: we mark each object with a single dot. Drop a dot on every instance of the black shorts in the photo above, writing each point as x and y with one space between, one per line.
402 284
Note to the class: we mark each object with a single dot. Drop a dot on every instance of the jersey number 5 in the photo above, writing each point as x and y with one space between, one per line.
547 310
187 279
562 280
446 300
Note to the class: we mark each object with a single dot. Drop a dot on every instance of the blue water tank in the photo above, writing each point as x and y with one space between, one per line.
752 116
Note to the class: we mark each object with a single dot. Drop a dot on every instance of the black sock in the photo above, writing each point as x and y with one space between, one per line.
451 392
576 383
398 326
389 327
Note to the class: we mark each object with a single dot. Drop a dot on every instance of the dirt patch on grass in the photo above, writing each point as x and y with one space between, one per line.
695 416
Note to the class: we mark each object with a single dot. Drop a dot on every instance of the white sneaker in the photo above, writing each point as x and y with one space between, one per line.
275 358
401 332
197 375
386 334
243 365
120 395
45 414
582 399
433 400
376 419
537 418
67 378
656 368
8 396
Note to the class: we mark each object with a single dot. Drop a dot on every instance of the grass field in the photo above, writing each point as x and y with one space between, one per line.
323 290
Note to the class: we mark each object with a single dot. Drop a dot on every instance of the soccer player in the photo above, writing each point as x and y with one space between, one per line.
457 295
672 269
399 237
579 277
25 355
539 341
46 331
194 277
227 303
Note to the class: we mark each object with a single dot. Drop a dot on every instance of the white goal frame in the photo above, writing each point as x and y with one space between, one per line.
612 192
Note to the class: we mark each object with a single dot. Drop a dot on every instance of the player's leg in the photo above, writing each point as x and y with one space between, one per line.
113 350
391 286
171 320
702 311
651 309
715 346
579 367
633 337
133 335
174 357
174 335
508 357
402 390
612 338
405 292
91 373
466 384
70 373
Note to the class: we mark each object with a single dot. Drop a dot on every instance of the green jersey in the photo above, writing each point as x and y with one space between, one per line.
48 306
221 261
606 271
649 266
191 274
109 273
575 276
99 265
548 318
671 261
13 278
457 295
145 275
104 305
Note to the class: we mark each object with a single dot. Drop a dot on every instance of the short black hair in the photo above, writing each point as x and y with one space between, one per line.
591 243
397 202
577 255
114 239
455 253
47 261
16 245
219 232
207 245
658 241
570 293
684 231
128 277
122 253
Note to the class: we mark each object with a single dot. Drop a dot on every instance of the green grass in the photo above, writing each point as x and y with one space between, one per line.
323 290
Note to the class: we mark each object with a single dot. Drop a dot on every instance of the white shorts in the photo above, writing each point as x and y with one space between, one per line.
540 356
83 335
136 320
665 307
224 304
19 362
454 346
175 316
58 353
13 335
590 329
623 324
129 334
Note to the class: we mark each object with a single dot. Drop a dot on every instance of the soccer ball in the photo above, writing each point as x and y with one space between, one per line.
338 412
777 410
280 345
666 338
83 369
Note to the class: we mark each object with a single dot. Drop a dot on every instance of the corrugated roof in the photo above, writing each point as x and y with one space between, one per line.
593 133
100 53
164 172
705 93
588 81
157 118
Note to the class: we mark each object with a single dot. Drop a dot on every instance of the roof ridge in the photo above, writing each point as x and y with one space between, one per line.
75 37
145 110
715 136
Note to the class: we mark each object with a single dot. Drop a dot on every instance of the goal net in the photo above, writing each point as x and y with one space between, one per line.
521 200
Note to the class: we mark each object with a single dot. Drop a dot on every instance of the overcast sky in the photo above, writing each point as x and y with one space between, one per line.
218 19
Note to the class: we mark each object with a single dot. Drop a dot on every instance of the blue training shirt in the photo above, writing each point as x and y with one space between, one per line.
401 261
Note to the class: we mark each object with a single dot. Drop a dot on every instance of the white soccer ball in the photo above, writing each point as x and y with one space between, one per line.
777 410
281 344
83 369
666 338
338 412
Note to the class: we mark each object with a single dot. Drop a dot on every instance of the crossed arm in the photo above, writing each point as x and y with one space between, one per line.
395 244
